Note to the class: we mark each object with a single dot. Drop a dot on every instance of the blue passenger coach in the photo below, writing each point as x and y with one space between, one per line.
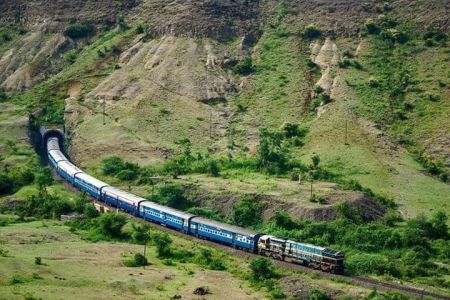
89 184
55 156
225 233
68 171
165 215
120 199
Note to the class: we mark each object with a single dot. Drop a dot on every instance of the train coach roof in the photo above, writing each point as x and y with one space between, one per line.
228 227
53 144
166 209
57 155
307 245
91 180
68 167
123 195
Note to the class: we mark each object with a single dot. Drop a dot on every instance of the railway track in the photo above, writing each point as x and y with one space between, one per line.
366 282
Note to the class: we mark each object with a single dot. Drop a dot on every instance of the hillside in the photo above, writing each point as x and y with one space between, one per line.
303 107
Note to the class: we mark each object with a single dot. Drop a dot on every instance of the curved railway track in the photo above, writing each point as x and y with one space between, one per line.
355 280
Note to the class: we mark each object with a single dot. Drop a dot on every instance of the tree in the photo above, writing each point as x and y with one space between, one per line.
6 184
244 67
140 233
213 168
283 219
90 212
318 295
163 244
439 227
311 32
272 156
247 212
111 224
261 268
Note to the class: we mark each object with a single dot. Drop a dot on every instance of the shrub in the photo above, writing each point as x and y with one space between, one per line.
76 31
261 268
283 220
244 67
293 130
3 95
90 212
111 224
127 175
6 184
172 195
362 263
247 212
432 96
70 57
205 258
373 82
38 260
318 295
140 260
213 168
371 26
163 244
318 89
311 32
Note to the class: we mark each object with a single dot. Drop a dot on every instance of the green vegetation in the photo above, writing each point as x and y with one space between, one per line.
412 251
244 67
311 32
78 30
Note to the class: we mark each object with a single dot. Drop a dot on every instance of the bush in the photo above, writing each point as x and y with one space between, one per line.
205 258
371 27
247 212
363 263
6 184
163 244
213 168
38 260
90 212
71 57
140 260
244 67
171 195
3 95
373 82
291 130
127 175
111 224
261 268
311 32
77 31
318 295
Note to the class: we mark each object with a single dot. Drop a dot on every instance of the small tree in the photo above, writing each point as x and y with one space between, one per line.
247 212
140 260
244 67
261 268
163 244
111 224
311 32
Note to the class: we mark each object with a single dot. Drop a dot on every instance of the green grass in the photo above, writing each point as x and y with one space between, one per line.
277 90
73 268
372 157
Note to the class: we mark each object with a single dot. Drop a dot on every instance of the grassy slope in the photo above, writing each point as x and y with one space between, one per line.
371 157
67 260
277 90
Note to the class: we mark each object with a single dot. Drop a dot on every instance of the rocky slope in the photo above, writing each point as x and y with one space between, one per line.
173 79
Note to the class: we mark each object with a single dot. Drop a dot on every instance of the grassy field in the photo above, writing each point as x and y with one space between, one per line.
73 269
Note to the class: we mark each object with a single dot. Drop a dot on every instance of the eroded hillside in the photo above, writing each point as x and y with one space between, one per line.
149 74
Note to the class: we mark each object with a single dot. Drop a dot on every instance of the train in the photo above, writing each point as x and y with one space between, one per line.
316 257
